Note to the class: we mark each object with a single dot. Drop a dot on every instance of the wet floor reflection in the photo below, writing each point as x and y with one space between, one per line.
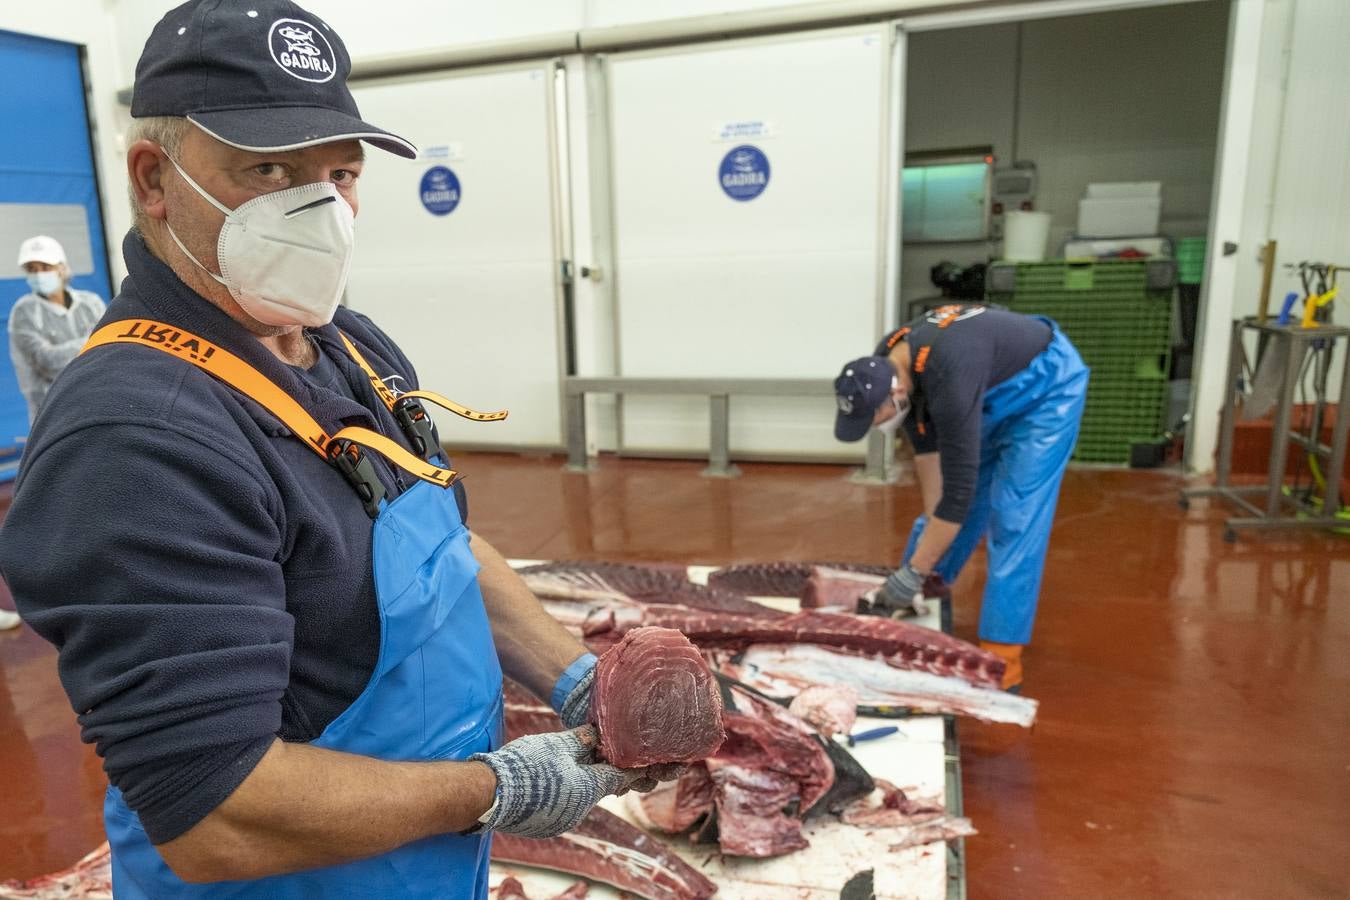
1194 737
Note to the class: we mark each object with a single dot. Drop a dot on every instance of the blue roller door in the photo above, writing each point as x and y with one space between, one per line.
46 174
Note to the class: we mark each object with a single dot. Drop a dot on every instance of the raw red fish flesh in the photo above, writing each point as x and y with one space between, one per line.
757 788
630 579
889 806
512 889
781 579
828 588
605 848
615 583
89 879
828 708
902 644
655 701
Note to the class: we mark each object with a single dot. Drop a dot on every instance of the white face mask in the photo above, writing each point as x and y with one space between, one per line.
44 283
891 425
283 256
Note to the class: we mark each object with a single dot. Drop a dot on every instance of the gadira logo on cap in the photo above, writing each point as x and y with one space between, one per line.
302 50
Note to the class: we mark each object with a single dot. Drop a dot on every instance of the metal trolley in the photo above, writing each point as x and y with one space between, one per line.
1284 508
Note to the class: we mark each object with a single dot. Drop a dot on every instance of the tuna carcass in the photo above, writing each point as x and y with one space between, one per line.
785 670
880 657
605 848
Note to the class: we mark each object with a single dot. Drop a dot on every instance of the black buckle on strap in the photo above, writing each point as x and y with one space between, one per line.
416 425
348 458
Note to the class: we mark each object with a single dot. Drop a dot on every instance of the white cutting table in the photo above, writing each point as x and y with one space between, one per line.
920 758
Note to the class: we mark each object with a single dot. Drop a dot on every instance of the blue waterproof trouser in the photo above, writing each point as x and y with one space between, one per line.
1028 428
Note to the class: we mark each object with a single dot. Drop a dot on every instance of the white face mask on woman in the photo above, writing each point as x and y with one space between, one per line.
44 284
283 256
891 425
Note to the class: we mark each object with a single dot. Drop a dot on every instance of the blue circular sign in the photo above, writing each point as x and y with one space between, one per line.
744 173
439 191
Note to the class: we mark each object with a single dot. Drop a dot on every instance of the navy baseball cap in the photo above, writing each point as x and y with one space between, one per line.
259 75
859 390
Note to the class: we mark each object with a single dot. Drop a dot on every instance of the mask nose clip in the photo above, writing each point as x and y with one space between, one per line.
311 205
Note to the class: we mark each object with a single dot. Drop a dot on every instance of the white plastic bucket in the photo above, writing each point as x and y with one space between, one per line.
1025 235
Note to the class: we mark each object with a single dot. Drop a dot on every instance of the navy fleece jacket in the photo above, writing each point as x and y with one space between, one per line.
205 577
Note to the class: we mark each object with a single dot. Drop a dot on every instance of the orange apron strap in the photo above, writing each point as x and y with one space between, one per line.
456 408
391 399
225 366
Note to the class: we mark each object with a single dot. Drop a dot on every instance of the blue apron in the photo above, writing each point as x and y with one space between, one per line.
435 693
1028 428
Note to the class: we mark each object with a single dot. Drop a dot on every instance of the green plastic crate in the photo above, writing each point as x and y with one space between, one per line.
1129 277
1191 260
1118 314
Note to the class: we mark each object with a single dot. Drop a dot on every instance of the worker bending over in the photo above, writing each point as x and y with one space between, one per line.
991 401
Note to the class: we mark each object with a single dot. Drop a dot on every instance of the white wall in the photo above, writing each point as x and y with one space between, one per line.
1126 96
1264 148
89 22
1307 205
1296 187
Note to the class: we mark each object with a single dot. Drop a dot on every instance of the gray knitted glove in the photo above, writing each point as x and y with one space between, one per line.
576 708
900 589
547 783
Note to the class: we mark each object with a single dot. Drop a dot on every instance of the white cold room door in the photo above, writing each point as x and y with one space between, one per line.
774 274
455 251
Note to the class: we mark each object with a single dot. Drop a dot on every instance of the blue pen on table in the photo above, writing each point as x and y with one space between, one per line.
872 734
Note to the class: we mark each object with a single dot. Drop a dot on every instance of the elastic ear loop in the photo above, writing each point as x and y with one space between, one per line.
209 199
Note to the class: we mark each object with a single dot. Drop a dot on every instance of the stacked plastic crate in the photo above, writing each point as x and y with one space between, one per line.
1118 313
1190 260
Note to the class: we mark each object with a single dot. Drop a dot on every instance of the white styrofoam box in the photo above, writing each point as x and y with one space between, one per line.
1119 189
1153 246
1104 217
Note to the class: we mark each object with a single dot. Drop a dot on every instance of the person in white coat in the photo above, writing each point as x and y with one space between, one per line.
48 327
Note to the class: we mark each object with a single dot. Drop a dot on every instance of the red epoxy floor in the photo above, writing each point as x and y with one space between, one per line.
1194 737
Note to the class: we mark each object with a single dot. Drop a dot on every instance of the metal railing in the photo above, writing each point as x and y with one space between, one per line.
719 391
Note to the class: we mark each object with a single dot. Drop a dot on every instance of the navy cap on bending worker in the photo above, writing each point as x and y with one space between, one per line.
991 401
275 625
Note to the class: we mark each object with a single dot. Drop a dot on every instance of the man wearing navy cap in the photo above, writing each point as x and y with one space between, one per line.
250 552
991 401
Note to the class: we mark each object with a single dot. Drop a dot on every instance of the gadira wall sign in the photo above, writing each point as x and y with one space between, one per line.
439 191
744 173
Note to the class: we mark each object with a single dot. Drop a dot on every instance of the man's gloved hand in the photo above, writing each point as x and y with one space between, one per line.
900 589
547 783
654 775
574 710
576 704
